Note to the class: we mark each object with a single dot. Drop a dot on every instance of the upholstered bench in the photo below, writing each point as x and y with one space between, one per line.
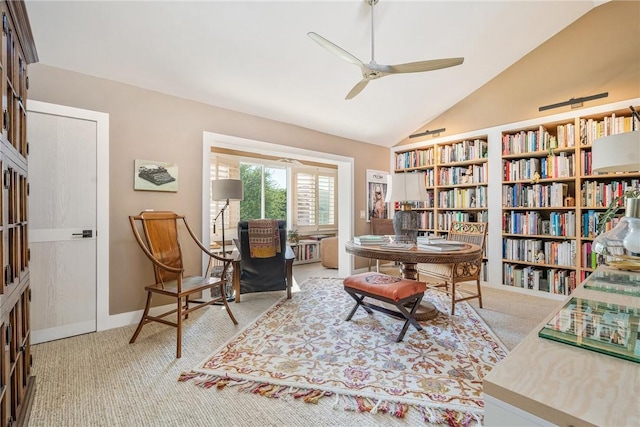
404 294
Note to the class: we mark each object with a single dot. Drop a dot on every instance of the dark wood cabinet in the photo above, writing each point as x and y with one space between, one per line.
16 379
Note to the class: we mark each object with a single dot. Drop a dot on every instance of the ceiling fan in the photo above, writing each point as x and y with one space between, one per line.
373 70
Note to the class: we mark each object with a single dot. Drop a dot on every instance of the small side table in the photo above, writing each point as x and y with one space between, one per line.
294 247
216 271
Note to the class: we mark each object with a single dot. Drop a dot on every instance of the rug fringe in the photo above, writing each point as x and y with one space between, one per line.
432 415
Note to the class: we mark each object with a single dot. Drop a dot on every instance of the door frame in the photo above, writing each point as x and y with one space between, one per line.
211 140
102 197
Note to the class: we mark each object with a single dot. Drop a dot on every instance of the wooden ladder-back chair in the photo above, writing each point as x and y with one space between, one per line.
448 275
380 227
162 247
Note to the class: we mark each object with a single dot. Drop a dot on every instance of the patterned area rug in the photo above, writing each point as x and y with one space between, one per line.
303 348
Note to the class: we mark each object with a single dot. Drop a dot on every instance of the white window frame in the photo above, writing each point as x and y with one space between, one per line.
346 166
266 164
316 173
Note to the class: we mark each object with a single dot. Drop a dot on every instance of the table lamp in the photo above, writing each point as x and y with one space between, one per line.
620 153
225 190
406 188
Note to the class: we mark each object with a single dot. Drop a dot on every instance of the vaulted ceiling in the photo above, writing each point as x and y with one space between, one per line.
255 56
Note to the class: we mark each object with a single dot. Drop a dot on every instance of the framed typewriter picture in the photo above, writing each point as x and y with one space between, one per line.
151 175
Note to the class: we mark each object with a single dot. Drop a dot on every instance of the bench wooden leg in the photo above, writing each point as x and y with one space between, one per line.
410 316
358 304
402 313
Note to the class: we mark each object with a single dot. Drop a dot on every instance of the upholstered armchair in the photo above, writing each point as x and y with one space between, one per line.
270 268
329 252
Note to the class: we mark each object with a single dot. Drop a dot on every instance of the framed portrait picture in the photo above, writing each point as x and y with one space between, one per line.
376 193
151 175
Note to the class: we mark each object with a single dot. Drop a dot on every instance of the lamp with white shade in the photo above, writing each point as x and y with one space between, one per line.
617 153
225 190
406 188
611 154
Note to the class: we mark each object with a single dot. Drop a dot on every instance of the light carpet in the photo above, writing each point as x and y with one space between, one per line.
302 348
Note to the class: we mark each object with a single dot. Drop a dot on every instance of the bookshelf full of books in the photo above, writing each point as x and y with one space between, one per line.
307 251
456 182
424 160
544 203
462 172
552 200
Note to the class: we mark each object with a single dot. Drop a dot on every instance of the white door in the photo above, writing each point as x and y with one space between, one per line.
62 224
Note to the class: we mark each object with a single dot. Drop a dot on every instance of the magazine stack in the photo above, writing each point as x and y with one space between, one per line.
370 239
439 244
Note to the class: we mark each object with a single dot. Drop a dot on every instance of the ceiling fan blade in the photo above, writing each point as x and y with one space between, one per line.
415 67
333 48
357 88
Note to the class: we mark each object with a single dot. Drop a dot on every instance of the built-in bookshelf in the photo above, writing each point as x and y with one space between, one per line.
543 201
456 179
551 200
306 251
597 190
423 160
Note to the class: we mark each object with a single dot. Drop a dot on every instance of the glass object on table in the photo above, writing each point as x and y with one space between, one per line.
620 246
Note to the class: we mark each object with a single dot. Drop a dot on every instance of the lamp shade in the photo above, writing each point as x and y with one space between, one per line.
226 189
403 187
617 153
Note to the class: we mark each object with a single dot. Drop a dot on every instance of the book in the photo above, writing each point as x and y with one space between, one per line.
447 242
397 246
370 239
442 247
430 239
368 243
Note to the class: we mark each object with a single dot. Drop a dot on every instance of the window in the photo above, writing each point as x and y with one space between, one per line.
315 200
268 186
265 191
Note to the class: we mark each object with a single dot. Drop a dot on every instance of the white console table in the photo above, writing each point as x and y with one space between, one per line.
544 382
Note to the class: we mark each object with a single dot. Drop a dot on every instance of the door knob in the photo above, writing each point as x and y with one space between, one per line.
84 234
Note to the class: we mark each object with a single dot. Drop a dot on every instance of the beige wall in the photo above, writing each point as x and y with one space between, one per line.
600 52
149 125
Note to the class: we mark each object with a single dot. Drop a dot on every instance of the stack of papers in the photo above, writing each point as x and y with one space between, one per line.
370 239
441 245
430 239
397 246
441 248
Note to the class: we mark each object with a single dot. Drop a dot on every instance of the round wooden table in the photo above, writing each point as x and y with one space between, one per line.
409 260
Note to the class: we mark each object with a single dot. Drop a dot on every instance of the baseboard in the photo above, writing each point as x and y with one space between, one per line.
523 291
51 334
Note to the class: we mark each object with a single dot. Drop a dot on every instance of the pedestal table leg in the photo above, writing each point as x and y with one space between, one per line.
427 310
